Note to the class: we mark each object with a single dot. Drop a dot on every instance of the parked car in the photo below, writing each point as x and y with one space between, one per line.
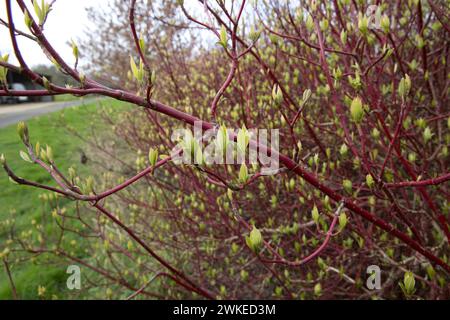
15 86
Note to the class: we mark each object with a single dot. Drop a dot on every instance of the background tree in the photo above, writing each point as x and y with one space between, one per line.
57 77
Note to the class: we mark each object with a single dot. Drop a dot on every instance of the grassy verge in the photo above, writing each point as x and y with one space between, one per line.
25 202
65 97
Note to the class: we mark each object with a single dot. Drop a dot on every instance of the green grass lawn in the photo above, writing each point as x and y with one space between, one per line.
66 97
25 200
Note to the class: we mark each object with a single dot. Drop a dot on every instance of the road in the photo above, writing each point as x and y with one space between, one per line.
11 114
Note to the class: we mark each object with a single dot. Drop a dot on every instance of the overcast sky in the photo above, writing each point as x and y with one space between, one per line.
68 20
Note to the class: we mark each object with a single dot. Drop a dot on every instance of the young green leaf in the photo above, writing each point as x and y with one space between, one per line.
75 49
369 180
222 139
134 68
25 156
342 221
254 240
243 173
347 184
243 139
315 214
356 110
22 130
153 156
223 36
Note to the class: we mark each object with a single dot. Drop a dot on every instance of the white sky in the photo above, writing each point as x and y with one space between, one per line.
68 20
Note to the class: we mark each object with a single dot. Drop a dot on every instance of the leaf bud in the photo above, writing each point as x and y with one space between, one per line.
356 110
254 240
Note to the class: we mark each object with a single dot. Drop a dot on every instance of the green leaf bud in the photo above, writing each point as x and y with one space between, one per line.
153 156
254 240
243 173
223 36
427 134
25 156
356 110
315 214
385 23
277 94
22 130
369 181
49 154
342 220
404 87
347 185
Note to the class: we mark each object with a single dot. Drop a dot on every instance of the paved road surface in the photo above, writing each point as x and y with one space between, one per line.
11 114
